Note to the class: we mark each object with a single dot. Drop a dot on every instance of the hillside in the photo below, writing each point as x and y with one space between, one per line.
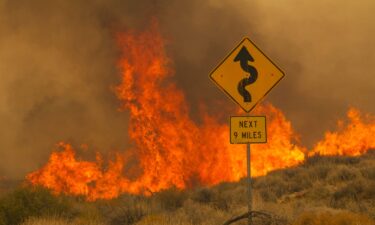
323 190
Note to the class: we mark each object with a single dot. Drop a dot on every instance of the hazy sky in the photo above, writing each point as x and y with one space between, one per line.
58 64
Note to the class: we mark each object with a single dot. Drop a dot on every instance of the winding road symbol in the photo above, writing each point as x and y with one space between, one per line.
246 75
244 56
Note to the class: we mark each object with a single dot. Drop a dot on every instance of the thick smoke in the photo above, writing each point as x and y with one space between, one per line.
58 64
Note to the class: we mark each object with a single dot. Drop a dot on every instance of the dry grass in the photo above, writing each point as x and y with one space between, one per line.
324 190
46 221
60 221
326 218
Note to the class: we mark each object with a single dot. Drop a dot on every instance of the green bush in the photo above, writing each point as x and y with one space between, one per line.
23 203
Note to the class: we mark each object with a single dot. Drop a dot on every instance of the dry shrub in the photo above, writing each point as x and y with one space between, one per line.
369 190
203 195
19 205
46 221
295 175
217 198
279 183
267 195
125 210
153 220
163 219
58 221
126 215
202 214
170 199
319 192
357 191
331 160
299 182
368 172
343 173
341 218
89 215
238 195
319 172
271 187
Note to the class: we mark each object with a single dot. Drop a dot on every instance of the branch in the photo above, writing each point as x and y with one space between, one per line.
253 214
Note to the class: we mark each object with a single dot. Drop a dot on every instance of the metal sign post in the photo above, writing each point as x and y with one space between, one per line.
247 130
246 75
249 196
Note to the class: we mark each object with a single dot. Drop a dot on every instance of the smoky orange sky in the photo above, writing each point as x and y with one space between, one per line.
58 65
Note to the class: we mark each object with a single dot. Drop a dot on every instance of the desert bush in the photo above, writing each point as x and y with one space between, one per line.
237 195
2 218
126 215
343 173
267 195
46 221
319 172
341 218
354 191
164 219
274 185
290 173
319 192
170 199
23 203
125 210
347 160
201 214
330 160
313 160
219 197
221 202
90 214
368 172
368 190
203 195
153 220
58 221
299 182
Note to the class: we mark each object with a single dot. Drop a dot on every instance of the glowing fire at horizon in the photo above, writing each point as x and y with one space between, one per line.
169 145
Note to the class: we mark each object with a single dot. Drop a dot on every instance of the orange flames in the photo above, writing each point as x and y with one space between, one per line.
169 147
354 138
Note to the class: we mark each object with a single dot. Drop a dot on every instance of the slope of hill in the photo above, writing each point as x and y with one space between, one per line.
323 190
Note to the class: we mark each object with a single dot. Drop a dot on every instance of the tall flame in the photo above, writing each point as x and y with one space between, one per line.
353 138
171 149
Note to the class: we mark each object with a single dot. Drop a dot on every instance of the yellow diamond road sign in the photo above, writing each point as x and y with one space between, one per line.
246 75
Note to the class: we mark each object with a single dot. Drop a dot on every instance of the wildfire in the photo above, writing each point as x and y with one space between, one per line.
354 138
170 148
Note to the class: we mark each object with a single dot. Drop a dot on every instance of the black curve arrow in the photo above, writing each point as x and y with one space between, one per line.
244 56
